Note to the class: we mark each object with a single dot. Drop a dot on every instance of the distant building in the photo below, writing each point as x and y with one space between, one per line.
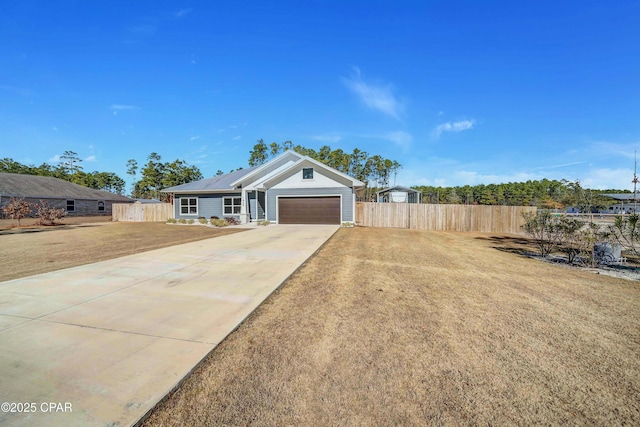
399 194
75 199
626 205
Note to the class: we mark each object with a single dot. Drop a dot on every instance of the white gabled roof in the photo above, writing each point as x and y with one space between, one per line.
263 169
290 160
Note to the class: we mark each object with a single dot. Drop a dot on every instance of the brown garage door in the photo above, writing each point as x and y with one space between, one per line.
309 210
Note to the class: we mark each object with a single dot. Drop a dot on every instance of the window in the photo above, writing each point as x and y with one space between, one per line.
71 205
188 206
100 206
231 205
307 173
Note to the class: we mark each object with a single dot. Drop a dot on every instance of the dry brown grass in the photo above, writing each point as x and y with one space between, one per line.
402 327
30 250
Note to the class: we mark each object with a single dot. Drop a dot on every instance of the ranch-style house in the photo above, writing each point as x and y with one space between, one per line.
288 189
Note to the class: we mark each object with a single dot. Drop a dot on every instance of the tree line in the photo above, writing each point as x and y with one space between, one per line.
544 193
69 168
156 175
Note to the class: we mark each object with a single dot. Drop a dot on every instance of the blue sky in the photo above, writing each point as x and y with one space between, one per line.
458 92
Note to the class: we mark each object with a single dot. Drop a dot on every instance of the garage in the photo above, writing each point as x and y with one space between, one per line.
309 210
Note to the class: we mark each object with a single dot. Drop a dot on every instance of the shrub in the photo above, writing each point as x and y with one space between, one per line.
265 222
172 221
214 217
219 222
190 221
231 220
182 221
579 240
545 229
17 209
625 231
203 220
48 215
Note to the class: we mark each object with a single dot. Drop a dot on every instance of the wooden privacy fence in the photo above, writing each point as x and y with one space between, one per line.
141 212
471 218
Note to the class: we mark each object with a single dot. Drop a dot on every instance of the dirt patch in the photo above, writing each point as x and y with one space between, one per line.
405 327
29 250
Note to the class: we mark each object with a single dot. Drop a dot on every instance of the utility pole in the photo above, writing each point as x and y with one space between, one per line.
635 181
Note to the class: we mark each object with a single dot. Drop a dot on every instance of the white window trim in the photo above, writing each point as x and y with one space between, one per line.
188 205
232 205
67 205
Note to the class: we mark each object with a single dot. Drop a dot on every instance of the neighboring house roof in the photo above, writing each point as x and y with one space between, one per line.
47 187
257 176
398 188
147 201
220 183
623 196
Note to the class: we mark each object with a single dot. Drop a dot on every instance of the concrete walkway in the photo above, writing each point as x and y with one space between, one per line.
101 344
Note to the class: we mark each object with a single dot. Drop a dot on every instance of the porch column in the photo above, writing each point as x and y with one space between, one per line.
244 211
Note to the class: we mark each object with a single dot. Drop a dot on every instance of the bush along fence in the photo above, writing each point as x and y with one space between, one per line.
585 243
469 218
141 212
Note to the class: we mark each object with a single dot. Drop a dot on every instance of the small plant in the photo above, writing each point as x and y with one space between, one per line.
348 224
231 220
190 221
625 231
49 215
182 221
17 209
545 229
202 220
171 221
579 243
264 222
219 222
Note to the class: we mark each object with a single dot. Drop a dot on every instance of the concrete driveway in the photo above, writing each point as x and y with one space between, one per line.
101 344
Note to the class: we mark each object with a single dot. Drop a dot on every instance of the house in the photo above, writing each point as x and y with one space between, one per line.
75 199
399 194
288 189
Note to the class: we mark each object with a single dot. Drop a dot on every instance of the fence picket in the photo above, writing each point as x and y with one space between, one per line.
469 218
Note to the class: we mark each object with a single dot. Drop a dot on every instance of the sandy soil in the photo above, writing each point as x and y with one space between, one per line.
405 327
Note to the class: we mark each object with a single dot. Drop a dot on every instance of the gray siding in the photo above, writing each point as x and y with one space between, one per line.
208 205
346 193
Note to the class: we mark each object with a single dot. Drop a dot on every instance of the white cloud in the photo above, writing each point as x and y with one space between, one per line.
90 159
609 148
143 29
193 138
400 138
608 178
452 127
329 138
183 12
55 129
375 96
122 107
235 138
563 165
54 159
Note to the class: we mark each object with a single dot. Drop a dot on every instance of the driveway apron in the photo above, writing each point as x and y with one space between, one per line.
101 344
